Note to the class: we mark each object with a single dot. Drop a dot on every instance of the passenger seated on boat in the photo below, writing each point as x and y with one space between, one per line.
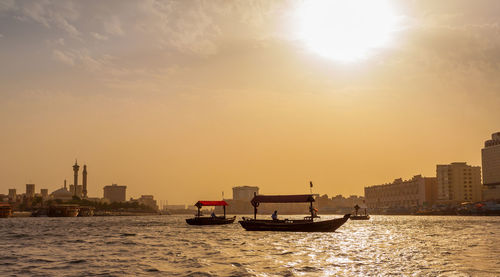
274 216
213 215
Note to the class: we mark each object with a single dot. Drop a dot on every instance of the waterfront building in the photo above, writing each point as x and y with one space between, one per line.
62 193
174 207
490 155
147 200
115 193
30 190
44 193
458 182
414 193
244 192
79 190
338 203
12 195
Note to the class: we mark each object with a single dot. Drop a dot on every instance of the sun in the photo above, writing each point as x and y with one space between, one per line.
346 30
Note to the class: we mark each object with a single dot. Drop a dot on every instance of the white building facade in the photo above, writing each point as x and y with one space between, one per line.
490 155
414 193
458 182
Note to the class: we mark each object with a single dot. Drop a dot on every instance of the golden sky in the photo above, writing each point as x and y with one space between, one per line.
186 99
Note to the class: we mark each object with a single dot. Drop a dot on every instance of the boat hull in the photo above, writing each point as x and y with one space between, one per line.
5 211
63 211
360 217
293 225
210 220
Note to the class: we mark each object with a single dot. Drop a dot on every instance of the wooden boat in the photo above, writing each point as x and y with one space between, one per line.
357 216
63 210
5 210
86 211
360 217
290 225
212 220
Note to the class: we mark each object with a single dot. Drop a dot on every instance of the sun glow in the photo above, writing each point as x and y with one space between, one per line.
346 30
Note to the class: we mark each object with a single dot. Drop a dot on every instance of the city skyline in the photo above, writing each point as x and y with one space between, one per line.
187 99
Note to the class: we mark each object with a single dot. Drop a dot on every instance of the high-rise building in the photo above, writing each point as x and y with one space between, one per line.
12 194
84 181
458 182
115 193
30 190
414 193
491 168
44 193
244 192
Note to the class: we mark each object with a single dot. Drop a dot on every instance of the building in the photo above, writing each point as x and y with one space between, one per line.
44 193
417 192
458 182
490 155
115 193
62 193
244 192
12 195
147 200
79 190
30 190
174 207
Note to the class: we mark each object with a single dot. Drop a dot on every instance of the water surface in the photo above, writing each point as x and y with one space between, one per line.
167 246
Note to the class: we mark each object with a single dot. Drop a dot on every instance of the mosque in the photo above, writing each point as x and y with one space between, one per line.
79 191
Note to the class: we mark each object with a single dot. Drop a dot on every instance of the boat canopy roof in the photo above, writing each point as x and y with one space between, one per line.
210 203
299 198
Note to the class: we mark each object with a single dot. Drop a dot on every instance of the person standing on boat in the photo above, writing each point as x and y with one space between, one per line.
213 214
274 216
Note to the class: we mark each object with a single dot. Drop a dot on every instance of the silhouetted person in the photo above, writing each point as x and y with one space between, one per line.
356 208
274 216
213 215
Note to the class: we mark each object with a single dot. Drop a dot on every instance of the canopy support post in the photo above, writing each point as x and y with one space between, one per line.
199 212
312 211
224 211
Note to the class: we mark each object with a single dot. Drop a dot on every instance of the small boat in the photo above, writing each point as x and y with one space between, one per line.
210 220
63 210
290 225
86 211
357 216
5 210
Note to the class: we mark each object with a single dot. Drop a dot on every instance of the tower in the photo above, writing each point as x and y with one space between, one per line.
84 182
76 167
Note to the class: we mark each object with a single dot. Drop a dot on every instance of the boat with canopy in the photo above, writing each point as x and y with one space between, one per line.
291 225
359 216
211 220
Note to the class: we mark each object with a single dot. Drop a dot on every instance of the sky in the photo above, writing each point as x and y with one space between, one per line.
186 99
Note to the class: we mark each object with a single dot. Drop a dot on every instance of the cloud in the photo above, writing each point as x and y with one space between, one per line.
1 36
98 36
113 26
63 57
48 13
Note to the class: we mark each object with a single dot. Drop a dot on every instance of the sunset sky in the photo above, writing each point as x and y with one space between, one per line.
186 99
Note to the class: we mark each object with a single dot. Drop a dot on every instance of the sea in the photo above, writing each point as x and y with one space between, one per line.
167 246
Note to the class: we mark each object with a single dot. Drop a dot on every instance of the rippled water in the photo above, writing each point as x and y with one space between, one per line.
167 246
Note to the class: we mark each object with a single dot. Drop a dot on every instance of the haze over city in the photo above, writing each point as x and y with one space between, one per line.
187 99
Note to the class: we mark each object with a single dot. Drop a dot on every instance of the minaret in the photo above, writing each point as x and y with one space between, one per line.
76 167
84 182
